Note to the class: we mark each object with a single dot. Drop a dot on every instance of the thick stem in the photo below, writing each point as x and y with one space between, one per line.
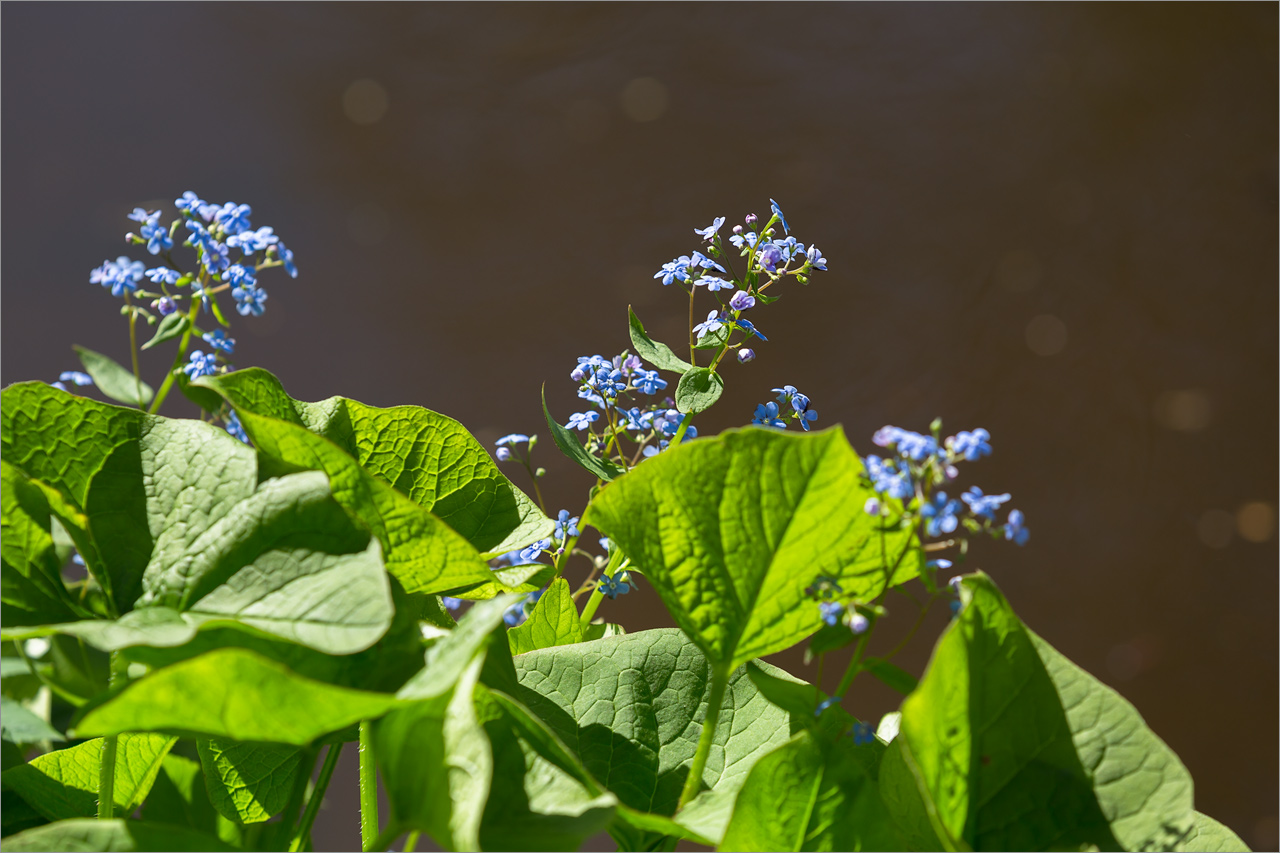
719 681
384 840
411 841
317 796
107 766
368 789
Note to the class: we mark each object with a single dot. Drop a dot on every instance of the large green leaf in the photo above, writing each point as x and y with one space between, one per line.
1209 836
31 587
114 379
224 694
20 725
554 621
1015 747
904 803
424 455
132 490
698 390
732 530
810 794
179 796
119 836
631 707
64 784
249 782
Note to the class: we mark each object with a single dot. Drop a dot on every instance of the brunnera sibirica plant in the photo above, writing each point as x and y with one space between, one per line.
199 612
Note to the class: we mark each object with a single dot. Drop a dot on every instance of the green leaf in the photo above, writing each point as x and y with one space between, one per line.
120 836
890 675
570 447
179 796
424 455
16 814
223 694
657 354
170 327
249 782
905 805
1002 724
64 784
554 621
113 379
20 725
31 587
698 390
829 638
812 795
510 579
1209 836
631 708
715 338
731 530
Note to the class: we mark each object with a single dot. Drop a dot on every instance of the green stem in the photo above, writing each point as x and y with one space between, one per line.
107 766
177 359
384 840
719 681
593 603
133 352
684 426
317 796
284 829
368 790
53 688
693 340
855 663
411 841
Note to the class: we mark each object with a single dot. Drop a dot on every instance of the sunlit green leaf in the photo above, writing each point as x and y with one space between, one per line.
698 390
657 354
113 379
21 725
31 587
249 782
572 448
553 621
1209 836
170 327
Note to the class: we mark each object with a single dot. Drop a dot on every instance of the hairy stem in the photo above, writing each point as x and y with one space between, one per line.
317 796
719 681
368 790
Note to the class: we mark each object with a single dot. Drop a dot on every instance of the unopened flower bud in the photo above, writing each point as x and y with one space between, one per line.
737 229
503 454
130 238
752 219
857 622
746 354
872 506
164 306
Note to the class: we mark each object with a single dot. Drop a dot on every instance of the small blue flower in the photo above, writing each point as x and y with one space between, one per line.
163 274
164 306
514 615
863 734
746 354
450 603
887 479
120 276
743 241
674 270
649 382
983 506
249 242
75 376
238 275
741 301
710 231
565 522
612 587
234 218
513 438
941 515
201 365
531 553
582 420
784 393
62 387
712 323
286 258
971 445
249 300
830 612
767 415
815 258
770 255
700 260
807 417
857 623
200 236
825 704
235 427
713 283
141 215
157 237
777 211
214 256
749 327
220 341
1016 529
190 203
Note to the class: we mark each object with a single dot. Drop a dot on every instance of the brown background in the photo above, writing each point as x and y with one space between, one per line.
1057 222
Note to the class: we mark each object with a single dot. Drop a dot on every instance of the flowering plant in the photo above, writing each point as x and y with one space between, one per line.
258 587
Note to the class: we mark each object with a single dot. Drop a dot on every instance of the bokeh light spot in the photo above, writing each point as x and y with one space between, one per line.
1255 521
644 99
1186 410
1046 335
365 101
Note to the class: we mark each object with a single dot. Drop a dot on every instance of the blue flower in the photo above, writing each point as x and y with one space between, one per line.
777 211
190 203
825 704
62 387
513 438
531 553
249 242
807 417
709 232
514 614
769 256
75 376
767 415
286 258
249 300
983 506
939 563
815 258
741 241
746 354
235 427
970 445
612 587
201 365
830 612
164 306
784 393
582 420
214 256
587 364
565 522
675 270
749 327
238 275
220 341
909 445
741 301
941 514
1016 528
234 218
700 260
157 237
713 283
121 276
163 274
887 479
140 215
200 236
450 603
863 734
649 382
712 323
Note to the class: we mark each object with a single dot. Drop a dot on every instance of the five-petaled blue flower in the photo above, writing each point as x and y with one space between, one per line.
741 301
700 260
712 323
249 300
163 274
863 734
201 364
582 420
75 376
713 283
649 382
612 587
830 612
777 211
970 445
675 270
983 506
565 522
157 237
742 241
220 341
767 415
141 215
770 255
941 514
234 218
214 255
120 276
253 241
709 232
1016 528
235 427
238 275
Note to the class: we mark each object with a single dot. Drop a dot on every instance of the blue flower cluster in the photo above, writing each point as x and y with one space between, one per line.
790 405
609 385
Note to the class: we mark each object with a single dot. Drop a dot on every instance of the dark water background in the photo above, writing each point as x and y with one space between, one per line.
1054 221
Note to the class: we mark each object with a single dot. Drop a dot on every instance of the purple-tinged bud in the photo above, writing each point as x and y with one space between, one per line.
503 454
952 472
746 354
872 506
165 306
737 229
741 301
577 375
752 219
130 238
858 623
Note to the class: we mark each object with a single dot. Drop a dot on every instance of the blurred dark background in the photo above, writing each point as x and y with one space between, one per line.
1054 221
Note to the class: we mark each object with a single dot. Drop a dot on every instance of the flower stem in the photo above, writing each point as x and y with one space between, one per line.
693 352
719 681
133 353
177 360
313 805
368 789
411 841
107 765
855 663
593 603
